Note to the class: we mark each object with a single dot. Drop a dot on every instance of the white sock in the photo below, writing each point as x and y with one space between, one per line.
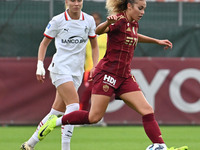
59 121
34 138
66 146
67 130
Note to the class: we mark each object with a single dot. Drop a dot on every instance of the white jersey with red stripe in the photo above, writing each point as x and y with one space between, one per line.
71 37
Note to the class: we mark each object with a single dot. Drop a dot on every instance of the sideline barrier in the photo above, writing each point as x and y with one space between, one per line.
171 85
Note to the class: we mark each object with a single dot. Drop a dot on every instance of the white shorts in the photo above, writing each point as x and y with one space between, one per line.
58 79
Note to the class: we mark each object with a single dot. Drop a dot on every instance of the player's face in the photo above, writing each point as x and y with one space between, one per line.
136 11
75 6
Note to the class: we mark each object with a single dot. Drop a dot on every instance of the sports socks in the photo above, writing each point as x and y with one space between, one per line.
152 129
34 138
74 118
67 130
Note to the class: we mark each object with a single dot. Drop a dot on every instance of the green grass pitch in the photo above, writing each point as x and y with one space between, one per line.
101 138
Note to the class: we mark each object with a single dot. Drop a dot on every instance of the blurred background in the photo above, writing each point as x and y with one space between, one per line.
169 79
22 23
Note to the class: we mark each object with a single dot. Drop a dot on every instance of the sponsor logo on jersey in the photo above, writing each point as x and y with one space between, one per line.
109 80
74 40
66 30
131 41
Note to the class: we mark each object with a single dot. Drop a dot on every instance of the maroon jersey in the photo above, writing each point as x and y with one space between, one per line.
122 40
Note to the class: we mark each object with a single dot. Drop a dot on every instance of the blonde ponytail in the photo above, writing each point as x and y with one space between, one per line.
117 6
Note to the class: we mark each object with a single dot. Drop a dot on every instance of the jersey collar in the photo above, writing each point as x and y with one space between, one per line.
67 17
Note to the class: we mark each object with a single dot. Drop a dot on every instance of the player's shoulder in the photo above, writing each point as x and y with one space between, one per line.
59 17
87 16
121 16
122 19
58 20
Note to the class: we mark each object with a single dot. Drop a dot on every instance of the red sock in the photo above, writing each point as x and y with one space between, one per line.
76 118
152 129
85 98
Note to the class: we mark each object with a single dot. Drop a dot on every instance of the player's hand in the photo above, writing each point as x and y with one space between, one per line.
166 43
112 19
40 72
91 74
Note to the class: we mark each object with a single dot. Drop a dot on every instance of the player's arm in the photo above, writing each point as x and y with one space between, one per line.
147 39
104 27
95 53
40 72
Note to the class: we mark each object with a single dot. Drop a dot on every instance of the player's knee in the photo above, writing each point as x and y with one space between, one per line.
150 110
94 119
147 110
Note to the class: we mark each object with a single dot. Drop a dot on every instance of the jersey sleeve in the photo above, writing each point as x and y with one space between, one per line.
92 29
51 29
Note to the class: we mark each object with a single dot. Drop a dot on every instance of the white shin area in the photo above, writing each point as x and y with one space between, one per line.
67 130
34 138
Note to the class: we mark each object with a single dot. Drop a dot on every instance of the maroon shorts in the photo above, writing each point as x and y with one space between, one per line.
105 83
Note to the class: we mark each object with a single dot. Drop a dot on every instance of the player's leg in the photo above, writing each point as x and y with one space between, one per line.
99 104
98 108
58 109
68 92
86 96
67 130
137 101
130 92
133 97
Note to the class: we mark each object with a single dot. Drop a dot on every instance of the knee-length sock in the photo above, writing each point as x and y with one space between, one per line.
152 129
75 118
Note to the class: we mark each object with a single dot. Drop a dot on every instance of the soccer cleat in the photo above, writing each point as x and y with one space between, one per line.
47 127
180 148
25 146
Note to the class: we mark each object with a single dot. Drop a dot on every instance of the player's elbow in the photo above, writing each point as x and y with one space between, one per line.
98 32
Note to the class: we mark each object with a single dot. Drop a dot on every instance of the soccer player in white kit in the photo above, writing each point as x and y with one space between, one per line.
71 31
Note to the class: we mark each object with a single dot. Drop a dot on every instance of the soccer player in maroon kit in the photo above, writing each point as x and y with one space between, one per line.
112 74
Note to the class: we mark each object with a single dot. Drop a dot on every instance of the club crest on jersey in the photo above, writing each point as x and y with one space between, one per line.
86 29
109 80
105 88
